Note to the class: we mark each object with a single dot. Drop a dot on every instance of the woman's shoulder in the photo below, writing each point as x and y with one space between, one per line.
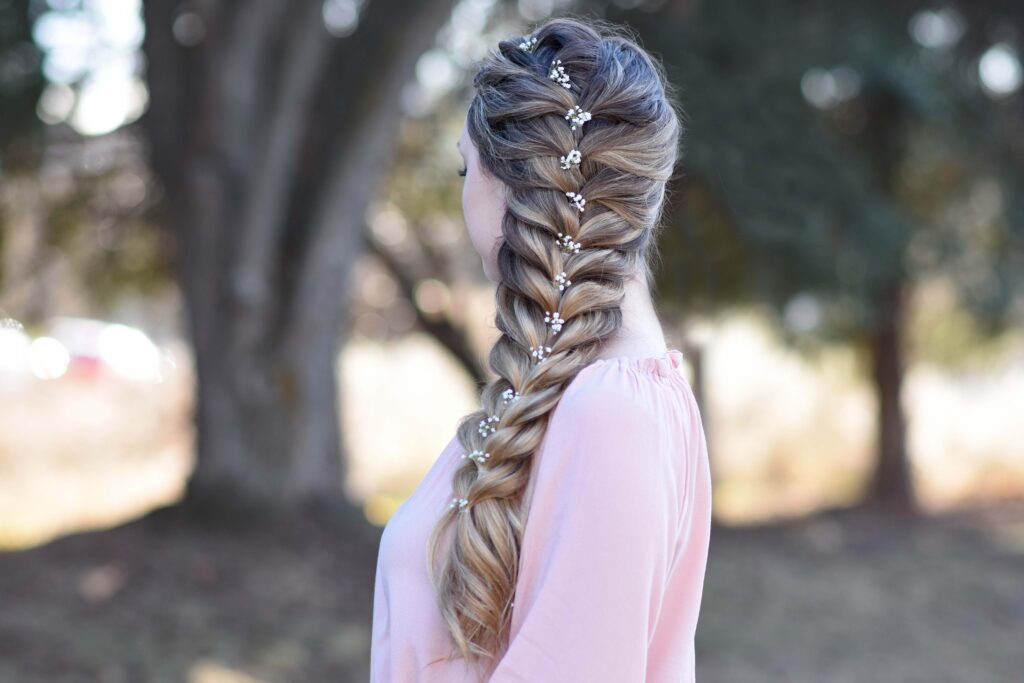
626 381
625 393
623 425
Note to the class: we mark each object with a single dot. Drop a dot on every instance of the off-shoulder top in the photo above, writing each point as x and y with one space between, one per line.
614 550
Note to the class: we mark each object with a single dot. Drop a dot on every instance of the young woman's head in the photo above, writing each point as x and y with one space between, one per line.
560 262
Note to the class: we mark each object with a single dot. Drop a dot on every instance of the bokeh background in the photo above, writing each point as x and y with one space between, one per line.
241 317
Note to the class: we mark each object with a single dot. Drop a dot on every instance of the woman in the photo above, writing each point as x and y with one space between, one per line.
562 534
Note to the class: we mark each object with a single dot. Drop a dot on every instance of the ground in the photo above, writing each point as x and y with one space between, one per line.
835 598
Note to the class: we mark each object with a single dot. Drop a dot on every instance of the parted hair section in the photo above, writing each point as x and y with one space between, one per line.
581 127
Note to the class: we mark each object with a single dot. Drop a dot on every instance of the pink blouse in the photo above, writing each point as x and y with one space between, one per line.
614 550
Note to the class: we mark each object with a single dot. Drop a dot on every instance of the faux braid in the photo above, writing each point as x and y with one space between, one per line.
579 124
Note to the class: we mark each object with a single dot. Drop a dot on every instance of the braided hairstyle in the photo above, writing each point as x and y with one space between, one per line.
576 227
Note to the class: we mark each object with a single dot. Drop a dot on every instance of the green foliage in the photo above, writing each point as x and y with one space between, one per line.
88 196
790 188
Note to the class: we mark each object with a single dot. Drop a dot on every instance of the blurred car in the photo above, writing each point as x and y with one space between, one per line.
78 347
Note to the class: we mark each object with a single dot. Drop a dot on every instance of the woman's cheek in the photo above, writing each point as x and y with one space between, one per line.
483 209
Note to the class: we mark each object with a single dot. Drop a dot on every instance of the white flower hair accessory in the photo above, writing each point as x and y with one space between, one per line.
528 43
510 396
567 245
557 74
577 117
461 502
487 426
573 158
540 352
562 281
477 456
555 320
577 200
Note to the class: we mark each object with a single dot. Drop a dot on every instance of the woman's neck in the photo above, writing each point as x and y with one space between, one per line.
641 334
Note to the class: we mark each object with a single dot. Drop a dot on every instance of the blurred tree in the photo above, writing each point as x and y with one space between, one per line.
424 190
21 83
72 202
837 154
269 123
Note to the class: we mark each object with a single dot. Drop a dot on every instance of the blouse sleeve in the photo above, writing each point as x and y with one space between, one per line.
597 545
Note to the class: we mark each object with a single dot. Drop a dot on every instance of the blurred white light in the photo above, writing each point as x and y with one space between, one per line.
341 17
56 103
1000 70
388 225
847 82
130 353
68 40
120 23
14 345
92 48
818 87
436 72
802 313
63 30
107 104
826 88
471 15
188 29
938 29
48 358
432 296
465 38
415 100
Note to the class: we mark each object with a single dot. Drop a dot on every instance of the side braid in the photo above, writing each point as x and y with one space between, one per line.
580 128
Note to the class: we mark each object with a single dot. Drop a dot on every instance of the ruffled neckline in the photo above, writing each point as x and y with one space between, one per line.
666 364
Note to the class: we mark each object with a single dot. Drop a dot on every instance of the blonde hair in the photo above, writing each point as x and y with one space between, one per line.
629 150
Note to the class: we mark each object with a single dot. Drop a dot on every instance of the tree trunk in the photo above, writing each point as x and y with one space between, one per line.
268 136
891 486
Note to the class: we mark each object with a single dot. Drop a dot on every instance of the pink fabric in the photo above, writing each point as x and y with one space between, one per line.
614 552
